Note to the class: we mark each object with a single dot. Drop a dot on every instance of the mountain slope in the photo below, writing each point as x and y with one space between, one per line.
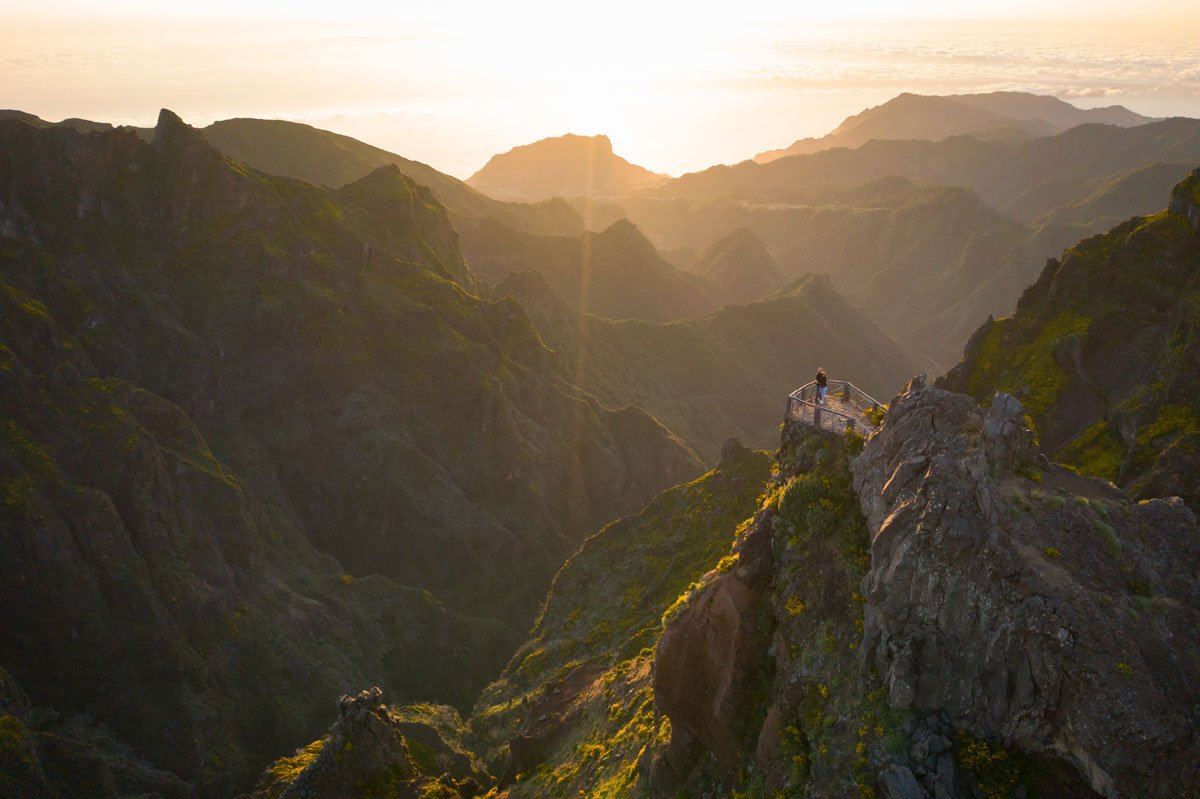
727 373
910 617
330 159
1103 351
616 273
324 158
924 263
577 693
995 115
212 379
564 166
574 708
1062 115
739 266
1000 173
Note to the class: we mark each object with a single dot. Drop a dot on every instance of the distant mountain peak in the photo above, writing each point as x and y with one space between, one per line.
570 165
990 115
740 266
600 140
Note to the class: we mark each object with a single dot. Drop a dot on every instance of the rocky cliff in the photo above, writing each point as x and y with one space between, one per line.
935 613
1031 606
573 712
1104 352
212 380
1020 630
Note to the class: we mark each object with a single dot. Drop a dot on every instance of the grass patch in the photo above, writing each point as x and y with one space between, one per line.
1096 452
1029 370
284 771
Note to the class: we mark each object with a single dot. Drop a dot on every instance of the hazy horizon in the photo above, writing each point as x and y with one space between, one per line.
675 91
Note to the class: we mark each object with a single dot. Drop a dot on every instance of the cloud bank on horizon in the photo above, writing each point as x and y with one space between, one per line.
676 92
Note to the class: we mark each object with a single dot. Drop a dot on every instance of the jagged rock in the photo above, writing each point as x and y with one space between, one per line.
1013 610
708 653
364 747
899 783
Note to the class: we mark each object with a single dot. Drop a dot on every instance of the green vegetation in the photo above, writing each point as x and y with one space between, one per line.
284 771
1108 534
600 624
1174 426
15 745
997 772
1117 293
1027 370
1096 451
820 541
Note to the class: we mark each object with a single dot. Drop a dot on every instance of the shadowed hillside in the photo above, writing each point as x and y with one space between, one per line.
213 379
1103 351
739 267
726 373
616 273
924 263
324 158
332 160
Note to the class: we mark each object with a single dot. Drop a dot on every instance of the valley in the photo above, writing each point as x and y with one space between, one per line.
503 463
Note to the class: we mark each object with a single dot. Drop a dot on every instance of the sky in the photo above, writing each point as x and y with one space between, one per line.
676 86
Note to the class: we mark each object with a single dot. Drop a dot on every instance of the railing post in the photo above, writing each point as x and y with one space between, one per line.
817 417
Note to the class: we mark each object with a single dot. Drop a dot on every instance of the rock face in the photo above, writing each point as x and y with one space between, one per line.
1104 352
373 751
1063 625
709 655
578 696
240 415
363 747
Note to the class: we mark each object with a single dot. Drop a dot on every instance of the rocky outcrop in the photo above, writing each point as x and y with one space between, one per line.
709 655
1060 625
1104 352
362 749
373 751
1185 199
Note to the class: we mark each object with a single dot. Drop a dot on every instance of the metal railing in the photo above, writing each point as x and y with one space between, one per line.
846 407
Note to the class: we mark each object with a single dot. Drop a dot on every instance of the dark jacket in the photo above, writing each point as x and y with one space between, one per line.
821 379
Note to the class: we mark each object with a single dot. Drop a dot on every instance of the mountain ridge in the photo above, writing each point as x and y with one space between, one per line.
218 377
994 115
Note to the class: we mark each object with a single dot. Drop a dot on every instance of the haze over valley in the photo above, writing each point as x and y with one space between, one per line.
425 403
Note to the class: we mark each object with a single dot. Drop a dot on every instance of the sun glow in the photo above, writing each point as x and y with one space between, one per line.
676 86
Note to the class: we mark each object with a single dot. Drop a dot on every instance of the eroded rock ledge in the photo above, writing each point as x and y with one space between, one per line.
1032 606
